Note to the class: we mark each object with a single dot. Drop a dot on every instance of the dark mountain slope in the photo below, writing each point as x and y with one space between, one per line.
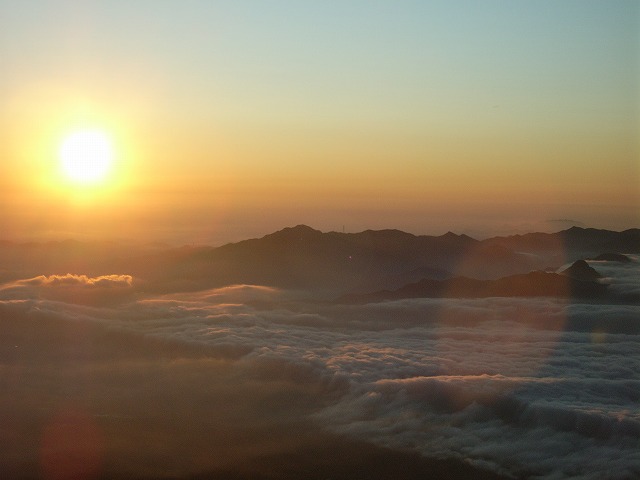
573 243
304 258
580 270
611 257
533 284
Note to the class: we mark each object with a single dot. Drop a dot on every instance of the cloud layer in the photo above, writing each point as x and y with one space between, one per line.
536 388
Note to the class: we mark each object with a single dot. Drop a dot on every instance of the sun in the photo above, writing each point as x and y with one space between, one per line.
86 156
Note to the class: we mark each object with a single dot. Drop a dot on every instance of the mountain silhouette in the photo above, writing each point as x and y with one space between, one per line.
303 258
572 244
533 284
328 264
612 257
580 270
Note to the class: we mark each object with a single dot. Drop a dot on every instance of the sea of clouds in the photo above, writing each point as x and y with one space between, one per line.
534 388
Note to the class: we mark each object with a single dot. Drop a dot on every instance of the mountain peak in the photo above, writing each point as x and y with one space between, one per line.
450 236
580 270
297 232
301 228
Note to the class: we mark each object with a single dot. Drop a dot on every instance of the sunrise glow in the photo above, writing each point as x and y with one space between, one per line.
86 157
331 239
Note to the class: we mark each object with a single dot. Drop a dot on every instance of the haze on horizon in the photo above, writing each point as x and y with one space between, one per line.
231 120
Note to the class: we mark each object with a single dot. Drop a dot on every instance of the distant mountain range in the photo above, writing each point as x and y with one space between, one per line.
334 263
575 242
578 281
303 258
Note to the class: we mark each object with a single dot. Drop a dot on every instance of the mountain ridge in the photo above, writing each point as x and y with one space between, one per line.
335 263
532 284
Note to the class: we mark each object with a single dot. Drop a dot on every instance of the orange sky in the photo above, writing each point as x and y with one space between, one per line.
425 117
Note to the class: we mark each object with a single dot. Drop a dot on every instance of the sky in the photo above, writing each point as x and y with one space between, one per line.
234 119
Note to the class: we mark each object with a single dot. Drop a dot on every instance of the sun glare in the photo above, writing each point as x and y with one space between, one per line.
86 156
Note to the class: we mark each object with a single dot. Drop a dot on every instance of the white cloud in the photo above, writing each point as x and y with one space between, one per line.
622 278
535 387
69 279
